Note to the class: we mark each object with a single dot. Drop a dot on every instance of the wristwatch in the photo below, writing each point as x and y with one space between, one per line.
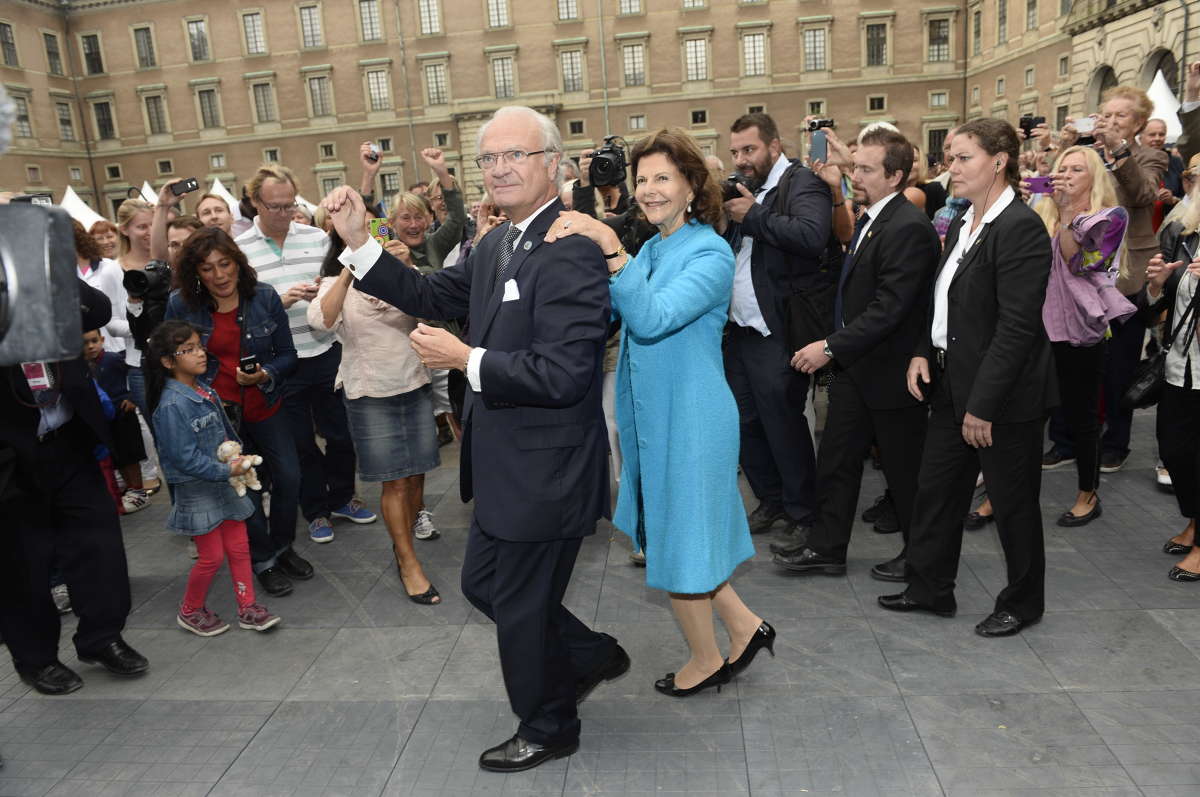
826 351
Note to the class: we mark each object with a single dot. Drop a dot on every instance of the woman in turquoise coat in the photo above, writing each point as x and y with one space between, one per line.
676 416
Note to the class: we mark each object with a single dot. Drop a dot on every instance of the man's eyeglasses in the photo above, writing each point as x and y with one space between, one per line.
288 208
488 160
186 350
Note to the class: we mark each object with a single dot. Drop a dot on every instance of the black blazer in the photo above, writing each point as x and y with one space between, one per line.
535 449
788 246
884 294
998 355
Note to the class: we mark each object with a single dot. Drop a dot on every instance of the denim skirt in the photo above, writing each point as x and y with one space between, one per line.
395 436
200 506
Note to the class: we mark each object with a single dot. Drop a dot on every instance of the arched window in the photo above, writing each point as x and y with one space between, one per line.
1103 79
1164 61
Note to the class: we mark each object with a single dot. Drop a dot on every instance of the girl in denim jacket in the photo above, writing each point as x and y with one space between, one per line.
190 424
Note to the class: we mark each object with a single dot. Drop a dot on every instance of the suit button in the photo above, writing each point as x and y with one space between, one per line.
953 340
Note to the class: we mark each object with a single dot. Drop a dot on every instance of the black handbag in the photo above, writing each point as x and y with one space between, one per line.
1150 375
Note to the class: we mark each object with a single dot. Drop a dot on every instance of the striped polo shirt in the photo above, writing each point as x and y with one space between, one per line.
299 261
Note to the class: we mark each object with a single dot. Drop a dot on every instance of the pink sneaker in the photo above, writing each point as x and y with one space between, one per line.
255 617
201 622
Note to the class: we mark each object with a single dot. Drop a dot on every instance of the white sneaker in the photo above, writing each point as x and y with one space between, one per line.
62 598
1162 475
423 528
134 501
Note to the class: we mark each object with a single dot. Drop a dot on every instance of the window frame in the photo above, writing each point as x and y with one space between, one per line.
11 44
134 30
574 8
883 104
47 36
377 69
868 20
1031 15
187 23
59 103
144 98
744 35
805 56
321 42
704 51
945 93
493 78
212 85
112 120
20 98
261 13
436 17
497 15
379 22
326 76
563 54
929 21
638 46
1001 22
269 83
629 8
439 63
82 36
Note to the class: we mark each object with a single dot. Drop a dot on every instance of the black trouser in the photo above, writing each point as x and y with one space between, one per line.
1080 375
1012 467
850 428
1178 429
776 447
66 519
544 649
309 400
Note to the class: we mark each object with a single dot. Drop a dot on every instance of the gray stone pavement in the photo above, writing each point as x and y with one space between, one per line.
361 692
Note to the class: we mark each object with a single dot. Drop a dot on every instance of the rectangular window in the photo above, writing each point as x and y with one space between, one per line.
368 15
385 144
975 95
1031 15
1064 65
695 53
431 21
1000 87
76 174
441 139
754 54
104 121
156 115
310 27
390 185
497 13
939 40
693 3
629 6
637 122
816 107
877 103
1060 116
977 33
1029 77
700 117
575 127
143 42
876 45
939 99
8 45
634 58
33 174
210 114
93 60
572 70
937 140
756 109
252 27
435 84
502 75
264 102
1001 21
165 167
54 63
378 91
66 125
568 9
318 92
329 184
113 171
216 160
814 50
198 39
22 127
271 155
327 151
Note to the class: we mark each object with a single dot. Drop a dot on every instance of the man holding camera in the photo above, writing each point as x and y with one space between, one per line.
779 227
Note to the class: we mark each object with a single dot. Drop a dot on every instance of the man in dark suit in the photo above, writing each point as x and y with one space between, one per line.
879 318
534 451
778 233
989 358
60 513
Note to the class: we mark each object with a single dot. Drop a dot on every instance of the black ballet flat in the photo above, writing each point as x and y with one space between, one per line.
719 678
1172 548
976 521
764 637
1179 574
1071 520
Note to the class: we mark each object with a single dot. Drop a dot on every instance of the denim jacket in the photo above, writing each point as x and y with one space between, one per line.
265 330
189 429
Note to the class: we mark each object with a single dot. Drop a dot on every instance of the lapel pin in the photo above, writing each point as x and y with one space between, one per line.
528 245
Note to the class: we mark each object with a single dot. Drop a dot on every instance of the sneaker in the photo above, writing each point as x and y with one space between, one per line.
638 558
62 598
201 622
320 530
134 501
1111 461
255 617
423 528
1055 457
355 512
1163 477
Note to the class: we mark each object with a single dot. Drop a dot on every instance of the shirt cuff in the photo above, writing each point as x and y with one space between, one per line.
473 363
360 260
134 309
1188 107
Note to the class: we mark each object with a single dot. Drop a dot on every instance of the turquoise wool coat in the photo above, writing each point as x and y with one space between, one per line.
676 416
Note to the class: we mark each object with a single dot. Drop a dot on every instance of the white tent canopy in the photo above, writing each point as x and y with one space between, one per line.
1165 106
148 193
78 209
304 203
220 190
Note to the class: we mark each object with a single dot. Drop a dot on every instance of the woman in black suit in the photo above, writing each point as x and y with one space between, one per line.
987 365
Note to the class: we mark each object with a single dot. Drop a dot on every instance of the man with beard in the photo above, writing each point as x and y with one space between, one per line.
779 229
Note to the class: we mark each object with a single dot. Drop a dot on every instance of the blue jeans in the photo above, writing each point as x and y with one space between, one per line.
136 379
269 537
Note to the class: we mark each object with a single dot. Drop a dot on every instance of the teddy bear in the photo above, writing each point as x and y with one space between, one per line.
246 475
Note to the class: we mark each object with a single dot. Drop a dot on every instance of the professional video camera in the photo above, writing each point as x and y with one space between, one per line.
729 187
817 124
151 283
608 165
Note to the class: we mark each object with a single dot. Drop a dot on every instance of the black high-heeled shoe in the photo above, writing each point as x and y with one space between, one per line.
719 678
430 597
764 637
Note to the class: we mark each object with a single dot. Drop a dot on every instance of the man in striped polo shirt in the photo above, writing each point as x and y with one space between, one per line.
288 256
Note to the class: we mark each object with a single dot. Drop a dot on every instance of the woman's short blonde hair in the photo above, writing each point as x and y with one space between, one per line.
1143 106
125 213
414 203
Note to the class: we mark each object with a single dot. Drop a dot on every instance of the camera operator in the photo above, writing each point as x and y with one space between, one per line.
779 228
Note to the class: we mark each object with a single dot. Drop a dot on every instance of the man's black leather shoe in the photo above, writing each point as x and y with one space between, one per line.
891 570
616 666
886 521
517 754
806 560
1001 623
294 565
55 678
275 582
903 603
764 517
118 658
872 513
792 539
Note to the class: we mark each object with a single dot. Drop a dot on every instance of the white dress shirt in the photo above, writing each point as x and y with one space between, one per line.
966 239
743 307
872 214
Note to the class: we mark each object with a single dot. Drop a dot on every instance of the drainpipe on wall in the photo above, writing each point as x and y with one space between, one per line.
1183 62
65 8
603 65
412 135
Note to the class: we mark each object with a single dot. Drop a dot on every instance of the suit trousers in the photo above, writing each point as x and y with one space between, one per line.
850 427
544 649
777 453
1179 443
1012 467
66 519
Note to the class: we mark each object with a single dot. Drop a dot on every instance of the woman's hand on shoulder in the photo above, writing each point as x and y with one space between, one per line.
570 222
